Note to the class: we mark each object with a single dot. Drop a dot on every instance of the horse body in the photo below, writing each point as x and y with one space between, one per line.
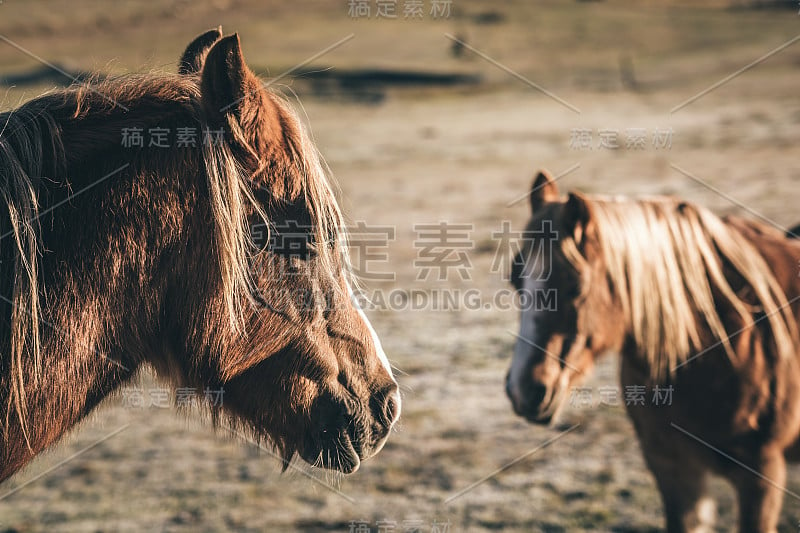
713 322
114 257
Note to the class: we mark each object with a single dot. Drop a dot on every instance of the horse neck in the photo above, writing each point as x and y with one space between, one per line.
99 322
103 276
101 291
75 376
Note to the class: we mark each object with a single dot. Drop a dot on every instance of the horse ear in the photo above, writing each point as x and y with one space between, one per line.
577 216
195 54
227 85
543 190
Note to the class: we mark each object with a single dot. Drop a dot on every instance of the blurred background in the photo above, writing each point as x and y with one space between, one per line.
429 112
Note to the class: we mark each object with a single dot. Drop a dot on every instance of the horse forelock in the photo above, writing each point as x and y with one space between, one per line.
666 262
304 176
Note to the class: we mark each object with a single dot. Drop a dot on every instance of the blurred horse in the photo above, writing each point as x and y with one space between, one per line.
699 306
120 253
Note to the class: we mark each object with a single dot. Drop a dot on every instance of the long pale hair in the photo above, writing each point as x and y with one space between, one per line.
665 261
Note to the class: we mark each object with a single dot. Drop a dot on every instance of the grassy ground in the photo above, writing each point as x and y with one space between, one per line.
422 156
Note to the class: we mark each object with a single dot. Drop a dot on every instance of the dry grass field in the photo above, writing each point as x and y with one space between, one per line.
422 154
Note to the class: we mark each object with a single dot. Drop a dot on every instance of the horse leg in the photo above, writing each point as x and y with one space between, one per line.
687 506
793 453
761 495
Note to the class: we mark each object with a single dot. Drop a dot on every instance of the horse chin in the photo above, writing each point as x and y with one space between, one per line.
540 419
333 452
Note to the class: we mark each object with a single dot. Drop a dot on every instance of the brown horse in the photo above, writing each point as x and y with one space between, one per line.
117 255
698 305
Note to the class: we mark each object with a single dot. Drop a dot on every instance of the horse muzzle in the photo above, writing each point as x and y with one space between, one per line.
536 403
343 434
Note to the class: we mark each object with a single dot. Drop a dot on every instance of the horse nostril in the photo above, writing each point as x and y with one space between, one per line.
391 406
536 395
529 398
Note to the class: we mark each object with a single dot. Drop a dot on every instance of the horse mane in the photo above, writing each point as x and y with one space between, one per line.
32 141
23 154
666 260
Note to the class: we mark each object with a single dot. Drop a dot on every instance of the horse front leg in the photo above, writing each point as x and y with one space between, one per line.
760 495
687 506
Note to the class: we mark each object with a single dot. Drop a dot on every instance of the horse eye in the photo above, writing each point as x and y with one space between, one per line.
296 245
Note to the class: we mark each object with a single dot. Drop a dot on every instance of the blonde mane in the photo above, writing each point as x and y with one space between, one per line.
664 260
19 160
